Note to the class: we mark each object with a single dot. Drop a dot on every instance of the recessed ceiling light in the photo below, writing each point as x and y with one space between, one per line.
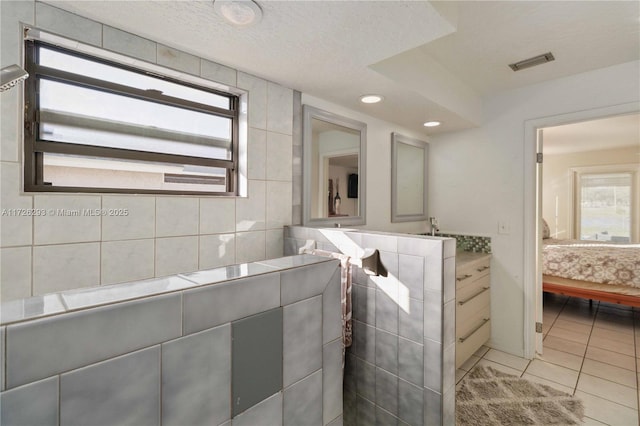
432 124
241 13
371 99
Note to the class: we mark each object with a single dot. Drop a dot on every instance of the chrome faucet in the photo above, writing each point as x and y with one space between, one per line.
433 221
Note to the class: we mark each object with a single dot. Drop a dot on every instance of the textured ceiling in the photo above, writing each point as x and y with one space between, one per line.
430 60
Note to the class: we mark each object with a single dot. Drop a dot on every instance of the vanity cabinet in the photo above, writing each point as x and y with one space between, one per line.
473 303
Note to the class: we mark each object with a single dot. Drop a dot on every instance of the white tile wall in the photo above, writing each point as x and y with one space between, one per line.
65 220
279 157
250 211
250 246
65 266
178 60
128 44
175 255
15 278
217 215
68 24
176 216
217 250
138 222
127 260
16 230
216 72
202 229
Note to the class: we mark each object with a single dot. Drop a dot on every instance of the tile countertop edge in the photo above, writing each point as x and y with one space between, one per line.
48 305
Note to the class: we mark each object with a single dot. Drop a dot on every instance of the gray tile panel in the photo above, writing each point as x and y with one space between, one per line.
303 402
332 309
411 361
302 339
196 376
350 413
212 306
365 304
449 279
42 348
2 363
32 404
366 412
432 410
410 403
349 372
365 379
257 354
268 412
433 365
387 311
305 282
449 321
387 390
411 323
122 391
332 383
387 351
338 421
411 274
433 316
385 418
364 337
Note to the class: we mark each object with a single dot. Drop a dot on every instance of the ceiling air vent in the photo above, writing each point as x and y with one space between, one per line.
532 62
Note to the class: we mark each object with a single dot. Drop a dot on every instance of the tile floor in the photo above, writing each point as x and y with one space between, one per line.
590 351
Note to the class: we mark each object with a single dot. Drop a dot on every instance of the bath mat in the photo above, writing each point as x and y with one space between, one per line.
490 397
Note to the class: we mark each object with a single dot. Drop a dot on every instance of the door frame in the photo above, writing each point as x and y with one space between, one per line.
532 277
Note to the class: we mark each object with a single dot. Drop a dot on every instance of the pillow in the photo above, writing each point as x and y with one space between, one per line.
546 232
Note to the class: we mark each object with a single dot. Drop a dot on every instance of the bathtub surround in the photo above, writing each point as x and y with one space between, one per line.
161 235
221 347
400 368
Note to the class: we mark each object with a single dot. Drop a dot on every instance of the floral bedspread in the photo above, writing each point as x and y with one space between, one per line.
595 261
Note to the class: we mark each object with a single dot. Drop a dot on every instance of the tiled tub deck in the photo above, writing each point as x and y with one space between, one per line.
249 344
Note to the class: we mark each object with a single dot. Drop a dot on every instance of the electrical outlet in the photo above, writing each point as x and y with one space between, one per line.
503 227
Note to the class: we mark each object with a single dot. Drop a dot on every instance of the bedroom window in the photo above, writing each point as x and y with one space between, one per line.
604 205
93 125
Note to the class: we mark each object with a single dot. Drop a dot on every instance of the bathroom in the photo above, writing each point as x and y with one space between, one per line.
117 306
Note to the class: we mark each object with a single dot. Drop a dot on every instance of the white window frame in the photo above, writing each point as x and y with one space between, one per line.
574 194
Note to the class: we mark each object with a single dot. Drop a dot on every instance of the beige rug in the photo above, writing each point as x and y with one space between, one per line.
487 396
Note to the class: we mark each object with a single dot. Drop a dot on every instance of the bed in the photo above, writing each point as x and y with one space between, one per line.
596 270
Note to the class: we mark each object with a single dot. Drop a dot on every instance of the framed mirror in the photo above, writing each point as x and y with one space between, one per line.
409 159
334 175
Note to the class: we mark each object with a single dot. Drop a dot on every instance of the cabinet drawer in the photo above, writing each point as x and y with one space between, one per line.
472 342
479 305
465 324
467 291
472 271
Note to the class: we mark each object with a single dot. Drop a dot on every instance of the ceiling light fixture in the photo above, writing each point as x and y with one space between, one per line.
241 13
532 62
432 124
371 99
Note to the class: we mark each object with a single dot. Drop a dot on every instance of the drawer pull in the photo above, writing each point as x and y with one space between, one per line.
484 321
483 268
462 302
463 277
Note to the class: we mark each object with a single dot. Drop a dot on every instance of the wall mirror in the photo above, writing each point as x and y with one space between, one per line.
408 179
334 172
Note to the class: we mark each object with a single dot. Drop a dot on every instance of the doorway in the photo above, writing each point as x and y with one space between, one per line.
535 143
